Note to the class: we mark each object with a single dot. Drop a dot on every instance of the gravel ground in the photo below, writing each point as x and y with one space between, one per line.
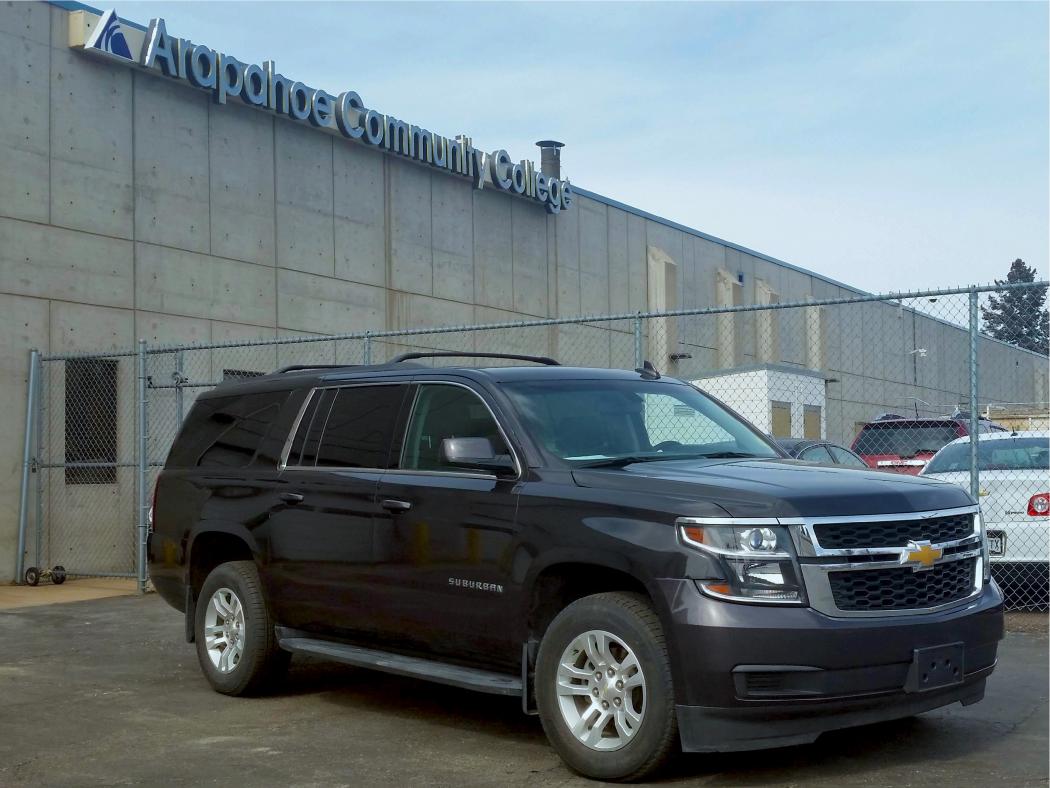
106 692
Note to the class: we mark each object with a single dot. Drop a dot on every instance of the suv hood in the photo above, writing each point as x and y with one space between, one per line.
779 487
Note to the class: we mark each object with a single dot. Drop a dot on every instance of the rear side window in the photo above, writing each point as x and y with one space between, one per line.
351 427
904 440
1001 454
228 432
308 435
843 457
816 454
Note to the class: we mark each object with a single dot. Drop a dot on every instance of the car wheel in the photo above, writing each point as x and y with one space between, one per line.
604 688
236 644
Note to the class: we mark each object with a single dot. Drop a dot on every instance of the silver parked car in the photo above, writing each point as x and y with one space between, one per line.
1014 474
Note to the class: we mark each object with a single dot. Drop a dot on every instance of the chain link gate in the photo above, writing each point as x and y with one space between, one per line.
894 377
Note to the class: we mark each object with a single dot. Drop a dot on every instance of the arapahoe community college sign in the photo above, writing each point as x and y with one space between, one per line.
346 114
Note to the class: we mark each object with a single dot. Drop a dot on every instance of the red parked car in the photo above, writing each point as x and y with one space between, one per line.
903 445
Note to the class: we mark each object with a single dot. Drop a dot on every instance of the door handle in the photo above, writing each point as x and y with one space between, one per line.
394 506
292 498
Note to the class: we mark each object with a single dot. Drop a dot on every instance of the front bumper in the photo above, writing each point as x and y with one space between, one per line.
755 676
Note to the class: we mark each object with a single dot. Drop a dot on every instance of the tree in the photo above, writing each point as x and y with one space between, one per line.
1017 316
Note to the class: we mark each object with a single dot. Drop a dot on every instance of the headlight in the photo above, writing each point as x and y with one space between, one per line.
756 561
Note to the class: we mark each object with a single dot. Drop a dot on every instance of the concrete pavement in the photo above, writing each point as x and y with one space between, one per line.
107 692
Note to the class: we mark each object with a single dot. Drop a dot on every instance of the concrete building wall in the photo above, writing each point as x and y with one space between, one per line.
132 207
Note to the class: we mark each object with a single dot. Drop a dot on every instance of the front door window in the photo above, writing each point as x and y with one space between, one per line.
446 411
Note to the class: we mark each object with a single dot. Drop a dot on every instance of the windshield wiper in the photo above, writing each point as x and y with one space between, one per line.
619 462
630 459
726 455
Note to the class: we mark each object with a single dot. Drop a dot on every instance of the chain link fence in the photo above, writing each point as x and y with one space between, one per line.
885 381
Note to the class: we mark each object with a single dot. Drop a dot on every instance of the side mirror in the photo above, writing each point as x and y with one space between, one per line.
476 454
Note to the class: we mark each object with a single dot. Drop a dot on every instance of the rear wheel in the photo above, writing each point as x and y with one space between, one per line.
236 644
604 690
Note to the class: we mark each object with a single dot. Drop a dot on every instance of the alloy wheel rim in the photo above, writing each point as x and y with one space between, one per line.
224 630
601 690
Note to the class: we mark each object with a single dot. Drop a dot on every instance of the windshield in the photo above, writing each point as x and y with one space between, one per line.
904 440
1001 454
591 421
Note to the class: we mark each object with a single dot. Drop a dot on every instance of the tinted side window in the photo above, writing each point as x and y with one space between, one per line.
446 412
304 447
816 454
360 426
227 432
845 458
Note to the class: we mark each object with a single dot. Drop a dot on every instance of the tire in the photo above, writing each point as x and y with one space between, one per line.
635 718
32 576
58 575
241 657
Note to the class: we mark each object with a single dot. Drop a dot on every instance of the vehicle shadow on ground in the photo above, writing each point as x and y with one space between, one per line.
853 751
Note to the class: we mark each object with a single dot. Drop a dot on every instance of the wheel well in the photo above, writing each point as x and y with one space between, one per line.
560 585
211 549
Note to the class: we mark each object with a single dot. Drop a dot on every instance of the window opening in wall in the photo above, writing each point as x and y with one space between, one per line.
811 422
91 421
781 419
240 374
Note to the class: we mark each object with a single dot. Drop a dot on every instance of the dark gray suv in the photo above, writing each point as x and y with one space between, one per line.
635 562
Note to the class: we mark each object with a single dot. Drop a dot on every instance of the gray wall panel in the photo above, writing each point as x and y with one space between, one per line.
172 191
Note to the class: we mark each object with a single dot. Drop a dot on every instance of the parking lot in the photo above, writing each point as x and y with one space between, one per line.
105 691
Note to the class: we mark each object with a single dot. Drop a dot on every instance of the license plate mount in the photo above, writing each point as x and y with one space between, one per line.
996 543
936 667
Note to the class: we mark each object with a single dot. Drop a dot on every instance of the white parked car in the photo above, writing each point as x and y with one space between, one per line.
1014 495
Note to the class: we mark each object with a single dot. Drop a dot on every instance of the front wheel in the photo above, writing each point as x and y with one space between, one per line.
236 644
604 689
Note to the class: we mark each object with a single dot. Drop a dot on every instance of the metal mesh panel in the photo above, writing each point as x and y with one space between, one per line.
1011 470
85 468
888 377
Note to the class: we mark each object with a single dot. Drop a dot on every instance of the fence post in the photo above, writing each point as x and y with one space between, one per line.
41 406
28 461
639 358
975 478
142 439
367 357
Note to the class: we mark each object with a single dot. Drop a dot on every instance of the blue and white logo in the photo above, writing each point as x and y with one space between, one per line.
109 38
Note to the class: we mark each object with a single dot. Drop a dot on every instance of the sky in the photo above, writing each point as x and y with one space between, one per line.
890 146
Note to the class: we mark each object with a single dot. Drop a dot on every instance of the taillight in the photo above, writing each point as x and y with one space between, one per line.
1039 505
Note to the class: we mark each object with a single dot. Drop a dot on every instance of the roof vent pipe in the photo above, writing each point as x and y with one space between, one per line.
550 157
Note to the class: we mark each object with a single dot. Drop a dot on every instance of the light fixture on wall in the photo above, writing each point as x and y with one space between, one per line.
680 356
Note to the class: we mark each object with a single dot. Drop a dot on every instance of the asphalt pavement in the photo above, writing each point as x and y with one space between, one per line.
107 692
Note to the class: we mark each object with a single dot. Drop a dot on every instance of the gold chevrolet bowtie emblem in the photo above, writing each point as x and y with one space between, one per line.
921 554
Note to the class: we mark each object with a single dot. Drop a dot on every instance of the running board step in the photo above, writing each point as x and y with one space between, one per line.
399 664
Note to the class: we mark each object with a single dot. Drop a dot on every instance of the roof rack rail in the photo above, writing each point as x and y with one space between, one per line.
550 362
298 367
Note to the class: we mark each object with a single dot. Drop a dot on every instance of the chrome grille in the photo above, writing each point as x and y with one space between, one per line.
902 588
890 565
894 533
